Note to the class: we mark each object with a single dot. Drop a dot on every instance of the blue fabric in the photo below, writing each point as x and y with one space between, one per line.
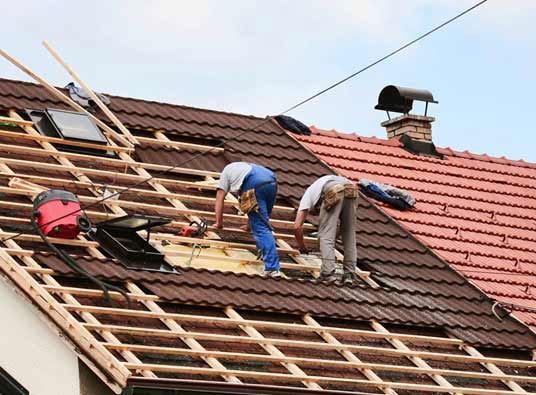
265 198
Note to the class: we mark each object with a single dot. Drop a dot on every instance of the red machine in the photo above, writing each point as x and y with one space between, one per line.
58 214
194 229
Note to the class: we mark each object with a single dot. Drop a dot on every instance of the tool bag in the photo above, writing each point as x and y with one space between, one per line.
338 192
247 201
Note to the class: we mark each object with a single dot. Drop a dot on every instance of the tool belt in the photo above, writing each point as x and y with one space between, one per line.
338 192
247 201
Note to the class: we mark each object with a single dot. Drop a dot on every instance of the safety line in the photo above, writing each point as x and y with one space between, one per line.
267 119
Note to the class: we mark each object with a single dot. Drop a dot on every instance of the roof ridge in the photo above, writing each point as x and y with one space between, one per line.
148 101
464 154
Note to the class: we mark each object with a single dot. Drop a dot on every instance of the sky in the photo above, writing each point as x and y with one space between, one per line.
261 57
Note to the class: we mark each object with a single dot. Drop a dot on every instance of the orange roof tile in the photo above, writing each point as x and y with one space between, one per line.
477 212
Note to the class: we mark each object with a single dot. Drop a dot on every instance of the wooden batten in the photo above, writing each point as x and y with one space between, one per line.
56 140
15 121
179 145
106 161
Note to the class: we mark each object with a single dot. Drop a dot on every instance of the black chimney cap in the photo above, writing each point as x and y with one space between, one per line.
400 99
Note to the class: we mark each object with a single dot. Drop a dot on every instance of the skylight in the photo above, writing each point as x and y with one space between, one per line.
76 126
68 125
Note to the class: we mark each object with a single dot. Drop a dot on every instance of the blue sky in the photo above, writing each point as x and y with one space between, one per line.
260 58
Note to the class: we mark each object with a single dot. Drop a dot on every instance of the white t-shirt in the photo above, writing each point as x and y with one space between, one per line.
312 194
232 176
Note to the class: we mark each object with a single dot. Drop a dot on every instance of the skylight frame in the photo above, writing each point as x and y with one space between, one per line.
46 126
122 242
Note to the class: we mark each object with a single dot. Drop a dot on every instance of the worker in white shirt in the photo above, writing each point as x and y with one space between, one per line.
338 197
257 188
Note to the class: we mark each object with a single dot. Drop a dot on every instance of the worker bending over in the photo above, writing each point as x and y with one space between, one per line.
257 188
338 197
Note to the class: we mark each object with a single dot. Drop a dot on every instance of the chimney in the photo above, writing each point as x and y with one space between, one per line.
417 127
414 131
400 99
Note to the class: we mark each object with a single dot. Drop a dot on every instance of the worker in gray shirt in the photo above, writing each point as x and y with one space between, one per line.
338 198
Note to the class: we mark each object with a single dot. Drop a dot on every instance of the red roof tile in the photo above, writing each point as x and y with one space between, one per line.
476 211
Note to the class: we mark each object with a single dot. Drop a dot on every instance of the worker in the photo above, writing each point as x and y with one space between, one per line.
257 188
337 198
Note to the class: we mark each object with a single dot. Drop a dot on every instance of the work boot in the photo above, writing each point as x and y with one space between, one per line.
271 273
328 277
347 279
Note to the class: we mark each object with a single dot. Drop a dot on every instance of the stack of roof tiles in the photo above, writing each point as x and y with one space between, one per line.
477 212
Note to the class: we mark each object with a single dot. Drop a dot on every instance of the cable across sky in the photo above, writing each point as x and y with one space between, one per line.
269 118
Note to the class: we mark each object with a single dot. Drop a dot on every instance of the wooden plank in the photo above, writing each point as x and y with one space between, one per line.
17 252
178 331
58 94
282 243
418 361
55 240
51 281
107 161
14 121
271 349
316 345
165 210
48 279
229 322
178 144
39 270
324 379
213 243
65 181
506 379
63 319
91 94
56 140
96 293
349 356
315 362
145 192
220 258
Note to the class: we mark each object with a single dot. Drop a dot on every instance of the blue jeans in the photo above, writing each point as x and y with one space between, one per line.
265 198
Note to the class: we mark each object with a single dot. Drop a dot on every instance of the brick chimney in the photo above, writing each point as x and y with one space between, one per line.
417 127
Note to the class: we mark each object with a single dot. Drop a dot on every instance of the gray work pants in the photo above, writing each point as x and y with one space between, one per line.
327 234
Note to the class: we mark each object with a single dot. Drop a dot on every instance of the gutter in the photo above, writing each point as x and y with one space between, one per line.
160 386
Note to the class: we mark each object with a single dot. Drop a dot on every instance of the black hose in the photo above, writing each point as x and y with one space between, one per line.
71 263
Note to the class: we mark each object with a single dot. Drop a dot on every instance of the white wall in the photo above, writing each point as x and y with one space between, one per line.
31 351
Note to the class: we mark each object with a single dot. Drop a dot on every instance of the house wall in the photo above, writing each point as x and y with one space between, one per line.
31 351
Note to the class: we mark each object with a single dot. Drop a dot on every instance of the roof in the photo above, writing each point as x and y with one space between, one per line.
419 295
477 212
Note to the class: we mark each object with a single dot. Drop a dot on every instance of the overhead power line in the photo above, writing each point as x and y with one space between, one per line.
269 118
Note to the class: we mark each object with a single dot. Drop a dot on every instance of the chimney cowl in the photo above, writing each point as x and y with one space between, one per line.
400 99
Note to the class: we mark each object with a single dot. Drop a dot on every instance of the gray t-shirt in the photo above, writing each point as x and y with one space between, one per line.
312 194
232 176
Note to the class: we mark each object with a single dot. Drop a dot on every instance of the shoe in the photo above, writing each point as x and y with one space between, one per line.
327 277
271 273
347 279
